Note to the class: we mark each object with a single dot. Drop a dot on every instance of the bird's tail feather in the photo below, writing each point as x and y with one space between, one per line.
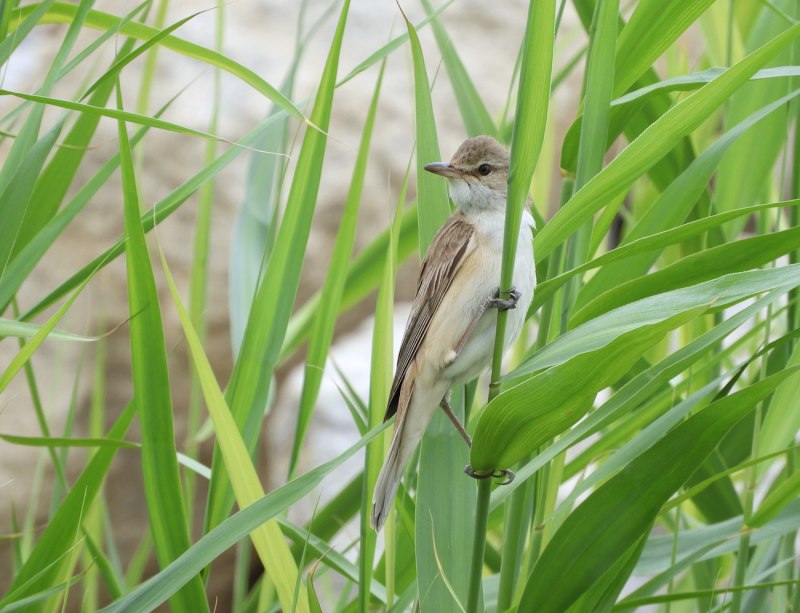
388 482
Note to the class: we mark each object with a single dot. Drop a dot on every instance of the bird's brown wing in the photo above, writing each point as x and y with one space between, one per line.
450 248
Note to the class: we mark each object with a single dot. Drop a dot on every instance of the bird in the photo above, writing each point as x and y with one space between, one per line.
449 336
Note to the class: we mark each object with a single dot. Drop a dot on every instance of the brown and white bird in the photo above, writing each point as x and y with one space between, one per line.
449 336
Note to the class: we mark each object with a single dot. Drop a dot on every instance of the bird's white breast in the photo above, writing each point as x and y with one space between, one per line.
481 279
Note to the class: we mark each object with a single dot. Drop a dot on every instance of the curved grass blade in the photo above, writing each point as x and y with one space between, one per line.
12 327
159 588
117 114
166 509
653 144
331 293
267 538
269 316
473 111
55 441
622 510
63 12
47 561
714 262
655 242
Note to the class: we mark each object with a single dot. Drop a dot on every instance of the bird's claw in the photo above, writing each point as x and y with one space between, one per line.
500 473
503 304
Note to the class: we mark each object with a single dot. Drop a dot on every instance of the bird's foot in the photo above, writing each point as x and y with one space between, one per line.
500 473
504 304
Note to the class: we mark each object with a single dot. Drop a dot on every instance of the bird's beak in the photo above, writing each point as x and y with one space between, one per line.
444 170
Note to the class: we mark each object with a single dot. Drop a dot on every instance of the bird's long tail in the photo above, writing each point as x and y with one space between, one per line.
388 480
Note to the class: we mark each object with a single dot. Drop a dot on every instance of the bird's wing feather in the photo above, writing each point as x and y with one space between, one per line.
451 246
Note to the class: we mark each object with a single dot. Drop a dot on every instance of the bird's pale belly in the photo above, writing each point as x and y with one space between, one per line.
476 354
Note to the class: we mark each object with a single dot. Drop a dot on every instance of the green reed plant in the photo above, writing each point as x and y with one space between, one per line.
649 411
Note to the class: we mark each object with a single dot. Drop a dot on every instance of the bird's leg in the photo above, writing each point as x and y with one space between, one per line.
503 304
461 430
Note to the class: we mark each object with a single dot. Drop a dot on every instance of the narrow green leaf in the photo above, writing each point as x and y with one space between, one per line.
118 114
433 203
476 117
530 122
717 293
47 561
268 539
12 327
709 264
167 512
782 420
151 593
249 385
63 12
362 278
54 441
119 64
331 293
38 338
16 197
622 510
653 144
653 26
776 500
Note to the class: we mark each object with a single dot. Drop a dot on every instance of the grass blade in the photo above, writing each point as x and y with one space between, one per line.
168 522
267 538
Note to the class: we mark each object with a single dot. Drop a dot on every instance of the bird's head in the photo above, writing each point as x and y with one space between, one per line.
477 174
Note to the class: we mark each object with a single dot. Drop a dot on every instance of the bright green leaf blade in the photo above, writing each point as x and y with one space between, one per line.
267 538
54 441
331 293
269 316
47 561
653 144
12 327
473 111
433 204
163 492
621 511
705 265
159 588
63 12
652 28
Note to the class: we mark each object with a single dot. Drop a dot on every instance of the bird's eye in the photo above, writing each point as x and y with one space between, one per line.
484 169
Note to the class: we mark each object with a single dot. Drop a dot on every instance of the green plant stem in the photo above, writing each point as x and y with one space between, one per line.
516 532
479 544
742 557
